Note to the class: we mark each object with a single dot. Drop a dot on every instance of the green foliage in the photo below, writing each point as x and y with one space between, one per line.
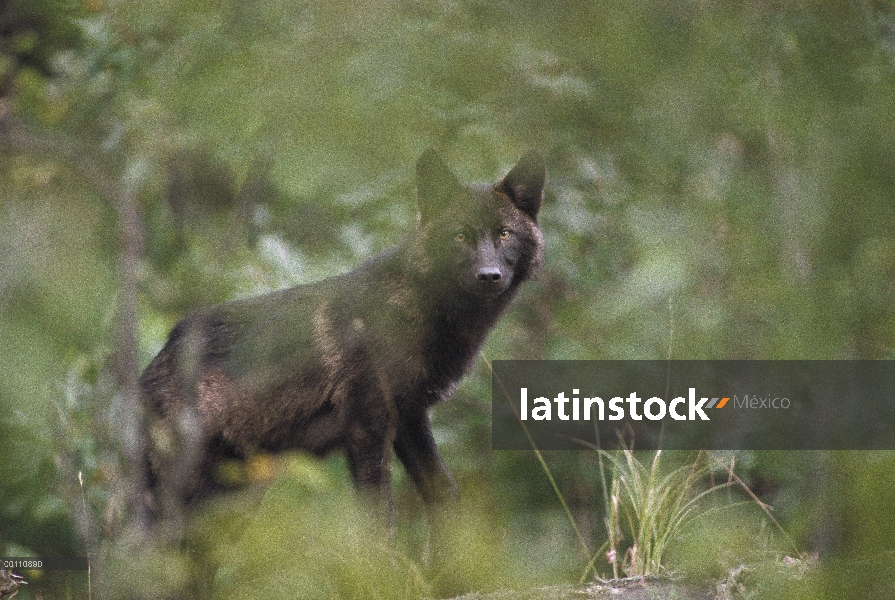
720 182
649 510
312 539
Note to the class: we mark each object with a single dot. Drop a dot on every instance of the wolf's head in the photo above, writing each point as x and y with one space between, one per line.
481 238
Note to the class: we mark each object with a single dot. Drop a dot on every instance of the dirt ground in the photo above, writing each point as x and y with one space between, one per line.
627 589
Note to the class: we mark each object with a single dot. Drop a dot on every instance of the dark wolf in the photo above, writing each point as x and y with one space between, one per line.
352 362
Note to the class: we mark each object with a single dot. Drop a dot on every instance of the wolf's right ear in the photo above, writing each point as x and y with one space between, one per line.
436 186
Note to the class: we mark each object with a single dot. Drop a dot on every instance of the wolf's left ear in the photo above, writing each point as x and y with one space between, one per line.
525 183
436 186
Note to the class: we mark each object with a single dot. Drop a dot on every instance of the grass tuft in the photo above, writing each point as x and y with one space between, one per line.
648 509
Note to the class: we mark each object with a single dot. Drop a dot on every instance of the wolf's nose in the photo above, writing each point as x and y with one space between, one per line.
489 275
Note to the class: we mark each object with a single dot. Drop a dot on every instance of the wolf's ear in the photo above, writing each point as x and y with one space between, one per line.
436 186
525 183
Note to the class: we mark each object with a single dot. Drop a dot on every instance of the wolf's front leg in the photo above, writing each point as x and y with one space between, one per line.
416 449
368 442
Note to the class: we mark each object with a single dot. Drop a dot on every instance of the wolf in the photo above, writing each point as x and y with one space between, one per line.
353 362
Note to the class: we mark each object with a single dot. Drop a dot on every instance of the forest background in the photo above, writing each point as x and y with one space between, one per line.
721 185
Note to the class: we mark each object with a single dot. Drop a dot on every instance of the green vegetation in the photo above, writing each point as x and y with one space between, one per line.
652 507
721 185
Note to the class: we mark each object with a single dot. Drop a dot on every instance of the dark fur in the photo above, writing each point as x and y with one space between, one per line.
353 361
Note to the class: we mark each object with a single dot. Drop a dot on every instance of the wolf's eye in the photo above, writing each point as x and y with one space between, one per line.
460 237
505 234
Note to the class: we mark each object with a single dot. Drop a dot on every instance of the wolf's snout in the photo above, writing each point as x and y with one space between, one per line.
489 275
